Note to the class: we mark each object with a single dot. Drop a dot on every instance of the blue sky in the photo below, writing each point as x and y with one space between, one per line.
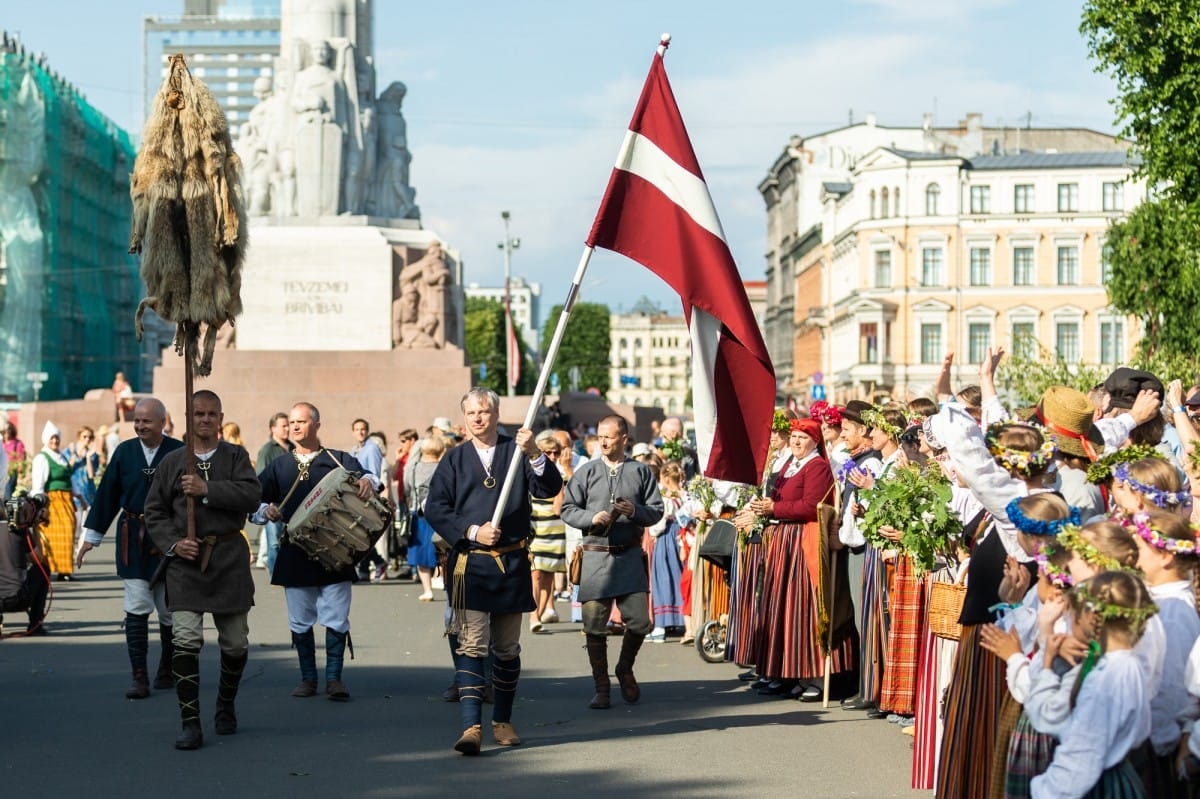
521 105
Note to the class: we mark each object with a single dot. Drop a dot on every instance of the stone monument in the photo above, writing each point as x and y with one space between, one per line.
349 302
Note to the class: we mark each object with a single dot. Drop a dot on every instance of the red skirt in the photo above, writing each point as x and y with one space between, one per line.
744 604
906 603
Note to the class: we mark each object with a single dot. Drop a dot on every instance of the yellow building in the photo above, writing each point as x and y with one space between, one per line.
650 361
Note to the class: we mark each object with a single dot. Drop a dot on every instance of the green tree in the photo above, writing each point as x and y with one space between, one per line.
586 345
1154 276
483 325
1152 49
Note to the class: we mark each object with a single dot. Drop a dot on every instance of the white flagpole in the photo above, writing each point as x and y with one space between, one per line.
535 402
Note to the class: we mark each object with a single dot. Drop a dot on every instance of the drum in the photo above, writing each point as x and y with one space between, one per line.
334 526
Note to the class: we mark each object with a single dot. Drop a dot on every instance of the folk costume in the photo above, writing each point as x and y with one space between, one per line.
122 493
313 593
52 477
615 570
217 582
489 586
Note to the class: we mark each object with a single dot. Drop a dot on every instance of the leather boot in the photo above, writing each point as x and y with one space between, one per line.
186 666
136 634
306 650
469 676
162 677
232 667
335 655
597 650
630 644
140 687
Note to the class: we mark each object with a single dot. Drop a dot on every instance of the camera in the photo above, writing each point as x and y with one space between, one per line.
22 511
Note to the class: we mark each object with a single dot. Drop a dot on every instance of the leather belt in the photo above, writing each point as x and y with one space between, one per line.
612 549
496 552
208 544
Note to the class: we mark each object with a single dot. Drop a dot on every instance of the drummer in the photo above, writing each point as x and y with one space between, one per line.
313 593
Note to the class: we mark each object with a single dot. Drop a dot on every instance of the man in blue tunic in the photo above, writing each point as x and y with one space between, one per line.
489 580
122 492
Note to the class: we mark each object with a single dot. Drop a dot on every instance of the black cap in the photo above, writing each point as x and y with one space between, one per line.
854 410
1124 384
1194 399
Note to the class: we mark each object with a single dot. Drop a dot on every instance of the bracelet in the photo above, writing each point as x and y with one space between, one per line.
1180 409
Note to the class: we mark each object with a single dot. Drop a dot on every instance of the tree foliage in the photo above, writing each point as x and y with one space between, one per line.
586 344
1154 275
1152 49
483 325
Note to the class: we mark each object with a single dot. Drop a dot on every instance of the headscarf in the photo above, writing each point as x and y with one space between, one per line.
49 432
812 429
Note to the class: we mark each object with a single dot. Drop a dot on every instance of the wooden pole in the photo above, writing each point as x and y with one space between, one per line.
189 365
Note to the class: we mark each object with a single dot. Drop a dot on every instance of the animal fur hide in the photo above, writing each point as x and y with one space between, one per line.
189 217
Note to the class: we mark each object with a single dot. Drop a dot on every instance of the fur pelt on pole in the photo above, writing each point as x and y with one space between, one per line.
189 218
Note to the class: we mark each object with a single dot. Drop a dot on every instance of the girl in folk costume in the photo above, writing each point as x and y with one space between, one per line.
1148 484
1167 556
793 623
746 574
665 566
1075 555
1007 463
1110 708
884 426
52 477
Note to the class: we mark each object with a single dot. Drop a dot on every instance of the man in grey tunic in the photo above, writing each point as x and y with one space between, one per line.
612 500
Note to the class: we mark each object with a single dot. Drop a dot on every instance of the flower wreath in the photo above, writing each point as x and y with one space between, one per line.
1107 610
1072 538
1102 470
1140 522
1057 575
825 413
874 418
1158 496
1038 527
1018 459
780 422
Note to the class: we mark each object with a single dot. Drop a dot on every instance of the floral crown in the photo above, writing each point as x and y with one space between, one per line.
1057 575
780 422
825 413
1108 610
1039 527
1071 537
1018 459
1102 470
1160 497
1140 522
874 418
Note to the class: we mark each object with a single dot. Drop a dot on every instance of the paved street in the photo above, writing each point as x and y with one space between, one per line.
697 733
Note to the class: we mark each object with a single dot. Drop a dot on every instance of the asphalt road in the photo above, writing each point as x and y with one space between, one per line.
69 731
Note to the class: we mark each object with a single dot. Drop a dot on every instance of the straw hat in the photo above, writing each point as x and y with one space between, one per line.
1068 414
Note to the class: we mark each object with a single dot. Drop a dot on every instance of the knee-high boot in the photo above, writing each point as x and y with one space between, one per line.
505 675
162 677
186 665
469 676
232 667
335 655
597 650
306 650
137 632
630 644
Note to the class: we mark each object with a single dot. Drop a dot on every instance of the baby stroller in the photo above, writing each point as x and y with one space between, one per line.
715 548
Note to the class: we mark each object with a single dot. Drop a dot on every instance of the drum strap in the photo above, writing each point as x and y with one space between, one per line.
303 473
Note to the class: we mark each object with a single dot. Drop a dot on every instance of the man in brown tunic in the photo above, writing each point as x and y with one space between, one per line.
211 573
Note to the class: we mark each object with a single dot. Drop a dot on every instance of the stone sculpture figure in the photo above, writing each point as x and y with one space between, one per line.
394 198
419 313
280 145
319 100
254 147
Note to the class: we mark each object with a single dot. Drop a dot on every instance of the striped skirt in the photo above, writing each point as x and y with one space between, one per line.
1157 773
970 716
933 671
906 617
1010 713
1029 754
789 630
58 534
873 629
744 604
1119 782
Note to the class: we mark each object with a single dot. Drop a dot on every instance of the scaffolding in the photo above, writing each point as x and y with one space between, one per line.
68 288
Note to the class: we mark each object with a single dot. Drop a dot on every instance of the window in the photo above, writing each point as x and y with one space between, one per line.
872 203
979 338
1068 266
981 266
931 343
883 203
883 269
981 199
868 343
1023 198
1105 263
933 193
1112 197
1112 342
896 201
1066 341
1068 197
1022 266
931 266
1024 341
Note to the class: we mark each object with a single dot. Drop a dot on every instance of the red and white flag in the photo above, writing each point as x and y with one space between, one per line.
657 211
514 349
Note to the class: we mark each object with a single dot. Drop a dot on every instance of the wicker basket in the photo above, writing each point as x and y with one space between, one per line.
945 606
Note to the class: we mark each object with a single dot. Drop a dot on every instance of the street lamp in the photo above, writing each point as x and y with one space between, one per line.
508 245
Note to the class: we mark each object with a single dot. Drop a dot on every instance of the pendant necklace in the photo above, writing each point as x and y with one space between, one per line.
303 464
488 481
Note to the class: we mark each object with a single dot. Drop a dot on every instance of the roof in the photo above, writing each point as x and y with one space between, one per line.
1096 158
838 187
913 155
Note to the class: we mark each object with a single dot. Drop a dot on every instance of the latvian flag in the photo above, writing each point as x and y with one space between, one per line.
657 211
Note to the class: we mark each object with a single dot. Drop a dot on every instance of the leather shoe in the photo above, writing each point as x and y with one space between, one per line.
748 676
631 692
140 687
505 734
336 691
876 713
305 688
858 704
759 684
225 720
192 736
774 688
468 743
811 693
450 694
850 700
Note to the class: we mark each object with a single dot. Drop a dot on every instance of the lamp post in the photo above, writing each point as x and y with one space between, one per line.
508 245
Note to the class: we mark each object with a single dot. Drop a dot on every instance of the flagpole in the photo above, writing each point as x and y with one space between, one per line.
539 392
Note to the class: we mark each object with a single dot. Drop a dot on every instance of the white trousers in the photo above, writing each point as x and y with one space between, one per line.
328 605
140 599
